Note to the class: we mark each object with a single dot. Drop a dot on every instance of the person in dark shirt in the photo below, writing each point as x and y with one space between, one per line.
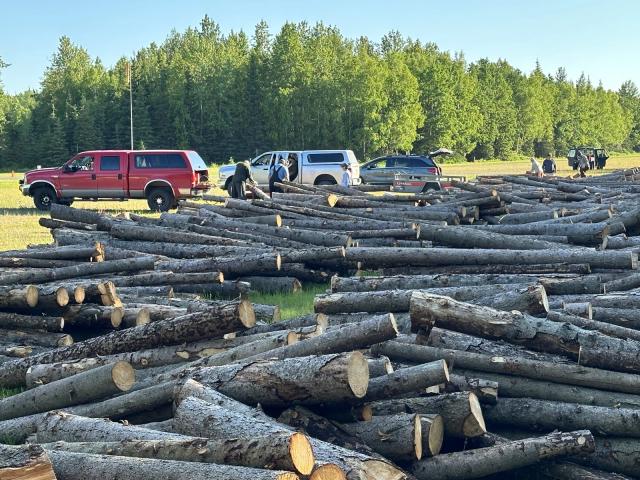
241 175
549 165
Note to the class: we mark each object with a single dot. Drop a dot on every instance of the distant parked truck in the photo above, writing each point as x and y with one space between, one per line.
308 167
598 154
161 176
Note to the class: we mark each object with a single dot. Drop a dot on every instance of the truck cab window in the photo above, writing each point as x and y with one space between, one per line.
83 163
110 163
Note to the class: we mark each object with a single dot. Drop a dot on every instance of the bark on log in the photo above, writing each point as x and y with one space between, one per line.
620 361
168 235
514 327
624 317
248 265
11 262
227 289
309 380
206 324
551 371
93 316
18 297
512 386
605 328
34 337
397 437
544 414
560 267
408 380
166 278
461 411
33 322
266 313
381 257
82 388
25 462
507 456
78 466
379 366
81 270
614 454
73 252
284 451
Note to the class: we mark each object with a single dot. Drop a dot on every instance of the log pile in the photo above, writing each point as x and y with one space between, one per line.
499 336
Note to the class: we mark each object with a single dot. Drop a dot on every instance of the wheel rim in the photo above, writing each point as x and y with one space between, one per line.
159 201
45 199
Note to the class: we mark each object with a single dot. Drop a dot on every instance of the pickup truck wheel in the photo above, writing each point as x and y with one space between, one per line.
67 201
325 182
160 200
44 197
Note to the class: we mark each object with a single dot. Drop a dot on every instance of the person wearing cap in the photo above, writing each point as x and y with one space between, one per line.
279 173
345 181
549 165
241 175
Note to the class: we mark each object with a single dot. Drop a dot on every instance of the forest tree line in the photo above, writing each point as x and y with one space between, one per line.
307 87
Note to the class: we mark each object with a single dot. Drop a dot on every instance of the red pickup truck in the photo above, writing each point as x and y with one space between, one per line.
160 176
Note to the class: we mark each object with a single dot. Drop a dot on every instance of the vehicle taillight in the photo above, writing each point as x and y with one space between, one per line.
195 178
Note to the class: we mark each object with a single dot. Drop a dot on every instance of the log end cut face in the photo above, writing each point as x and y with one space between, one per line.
328 471
123 375
474 424
301 453
433 436
358 374
32 295
417 436
246 314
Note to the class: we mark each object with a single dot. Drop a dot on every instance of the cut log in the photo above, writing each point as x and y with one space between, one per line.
266 313
625 317
93 316
512 386
216 321
18 297
547 415
461 411
238 266
614 454
379 366
606 328
79 466
283 451
507 456
80 270
397 437
17 321
550 371
35 337
168 235
82 388
578 309
618 360
273 284
73 252
408 380
548 268
309 380
25 462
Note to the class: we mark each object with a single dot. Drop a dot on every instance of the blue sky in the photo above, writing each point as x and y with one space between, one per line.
599 38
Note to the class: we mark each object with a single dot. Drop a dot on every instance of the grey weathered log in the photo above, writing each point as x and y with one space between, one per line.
239 266
273 284
309 380
73 252
379 366
25 462
549 415
608 359
216 321
397 437
82 388
499 269
461 411
285 451
166 278
614 454
514 386
35 337
19 297
603 327
266 313
34 322
625 317
80 466
551 371
484 388
168 235
507 456
93 316
408 380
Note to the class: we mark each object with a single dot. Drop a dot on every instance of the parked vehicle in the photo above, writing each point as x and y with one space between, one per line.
308 167
600 155
161 176
382 170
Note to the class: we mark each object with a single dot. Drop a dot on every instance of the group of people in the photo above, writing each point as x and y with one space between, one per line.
278 172
548 166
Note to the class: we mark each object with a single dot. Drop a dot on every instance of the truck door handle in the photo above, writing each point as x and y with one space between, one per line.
93 176
119 176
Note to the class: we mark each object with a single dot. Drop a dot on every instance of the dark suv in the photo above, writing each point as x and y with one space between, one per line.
382 170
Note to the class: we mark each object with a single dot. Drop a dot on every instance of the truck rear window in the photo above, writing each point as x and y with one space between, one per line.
160 160
336 157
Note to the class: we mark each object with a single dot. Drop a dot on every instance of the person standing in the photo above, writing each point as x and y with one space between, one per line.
592 162
241 175
549 165
345 181
583 163
279 173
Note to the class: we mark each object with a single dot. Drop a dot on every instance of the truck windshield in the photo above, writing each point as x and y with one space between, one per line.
196 161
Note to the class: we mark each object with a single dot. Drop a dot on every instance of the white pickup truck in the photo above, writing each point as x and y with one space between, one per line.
308 167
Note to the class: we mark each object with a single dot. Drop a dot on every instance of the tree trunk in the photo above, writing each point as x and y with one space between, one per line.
34 337
507 456
486 390
229 289
548 268
80 270
267 313
78 466
255 264
93 316
213 322
548 415
18 297
84 387
168 235
73 252
625 317
25 462
166 278
615 455
514 327
607 359
11 262
378 367
551 371
602 327
461 411
582 310
382 257
408 380
283 451
17 321
512 386
305 380
274 285
397 437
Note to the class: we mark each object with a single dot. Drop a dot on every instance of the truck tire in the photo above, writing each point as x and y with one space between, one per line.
66 201
160 199
44 197
324 180
227 185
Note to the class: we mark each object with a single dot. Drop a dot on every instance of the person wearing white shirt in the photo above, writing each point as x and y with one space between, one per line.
346 175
